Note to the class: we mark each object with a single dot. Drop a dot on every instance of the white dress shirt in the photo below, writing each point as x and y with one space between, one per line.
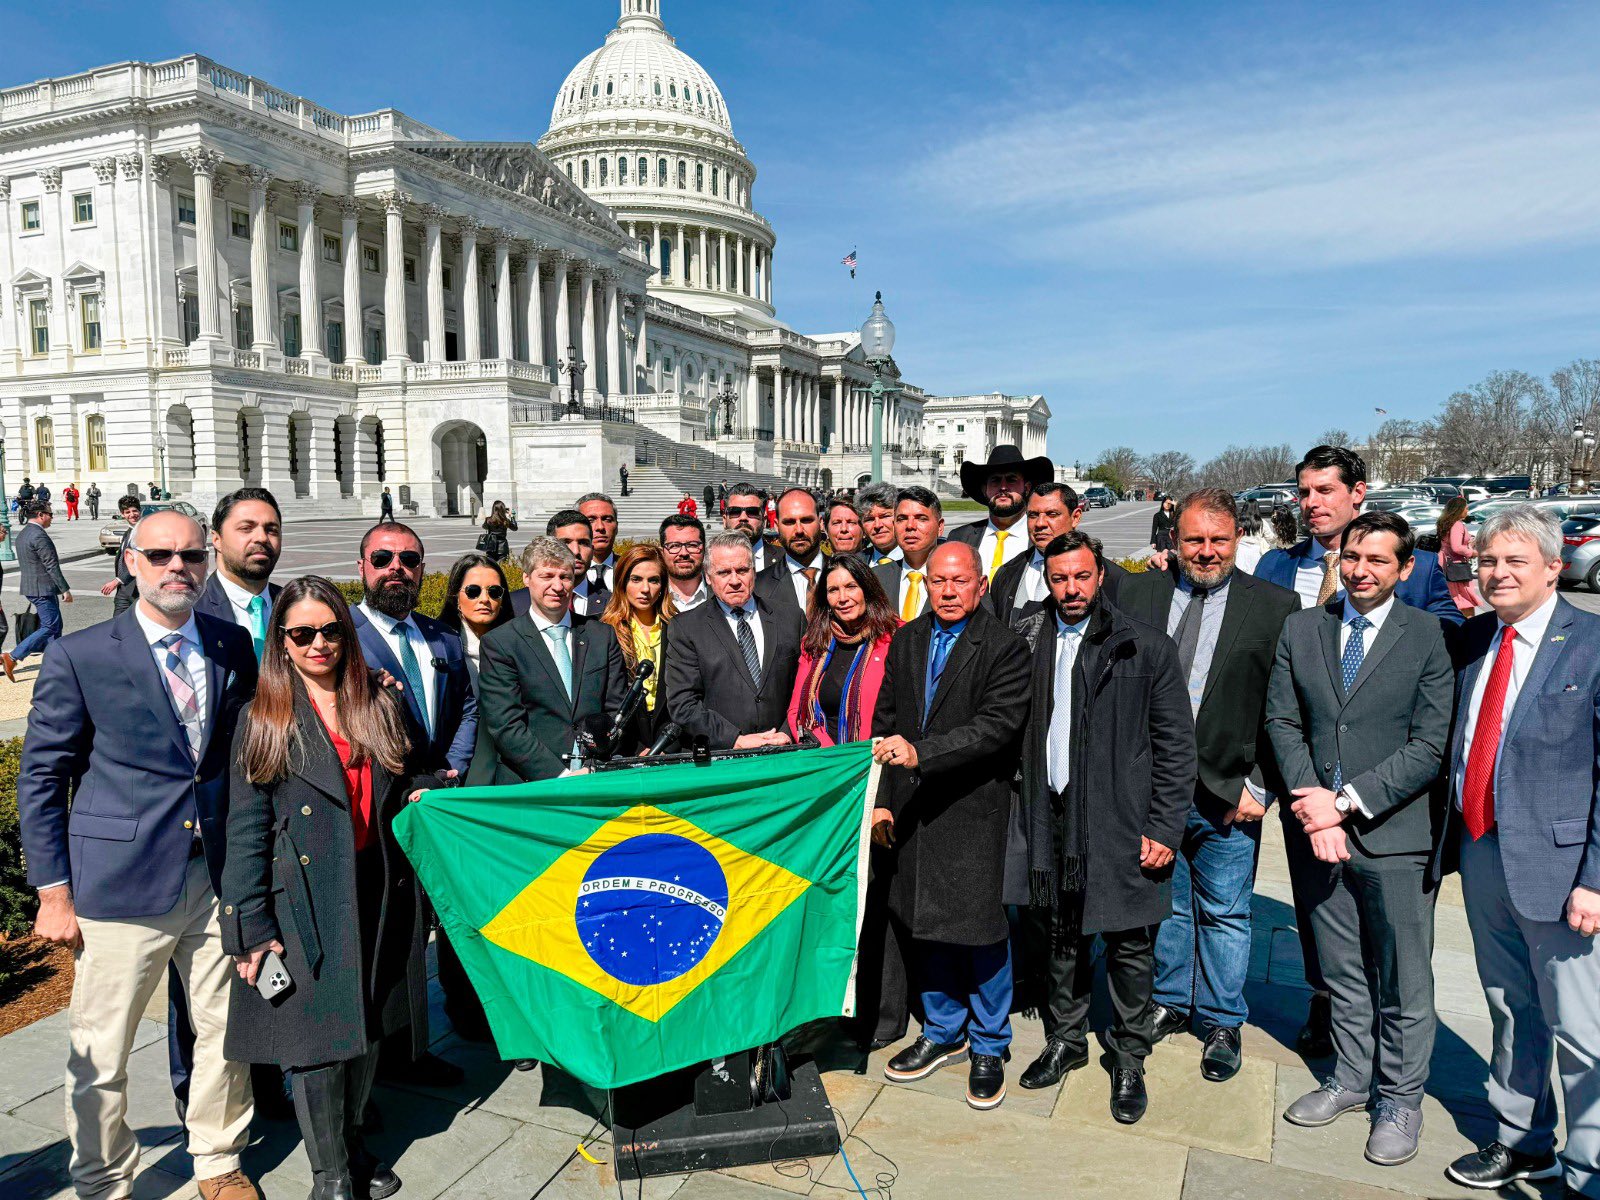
1032 586
393 631
1069 640
194 660
581 603
1016 542
1524 647
754 621
905 587
797 578
1309 570
544 625
239 600
695 598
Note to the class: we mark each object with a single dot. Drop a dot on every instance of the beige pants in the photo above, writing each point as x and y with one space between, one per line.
118 970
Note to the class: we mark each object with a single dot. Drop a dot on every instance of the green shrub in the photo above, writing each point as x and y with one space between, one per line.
17 900
1134 566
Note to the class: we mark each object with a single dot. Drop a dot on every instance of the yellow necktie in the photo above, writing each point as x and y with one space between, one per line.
1000 536
913 597
1330 577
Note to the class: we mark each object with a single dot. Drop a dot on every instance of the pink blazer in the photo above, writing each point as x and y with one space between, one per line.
871 682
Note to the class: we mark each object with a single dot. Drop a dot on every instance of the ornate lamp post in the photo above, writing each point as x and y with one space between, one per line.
573 367
161 448
8 552
1582 458
727 397
877 340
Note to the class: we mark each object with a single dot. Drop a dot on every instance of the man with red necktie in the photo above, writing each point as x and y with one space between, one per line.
1521 822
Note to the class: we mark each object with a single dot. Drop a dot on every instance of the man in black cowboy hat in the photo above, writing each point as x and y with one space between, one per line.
1002 485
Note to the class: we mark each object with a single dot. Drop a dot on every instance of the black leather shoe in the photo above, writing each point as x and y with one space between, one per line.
1164 1022
1220 1060
986 1082
373 1180
1053 1063
921 1059
1128 1098
427 1071
1497 1165
1316 1036
526 1064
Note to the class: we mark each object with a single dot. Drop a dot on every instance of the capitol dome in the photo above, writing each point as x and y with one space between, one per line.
642 128
639 68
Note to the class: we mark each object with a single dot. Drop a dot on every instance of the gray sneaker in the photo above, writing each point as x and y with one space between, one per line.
1323 1106
1396 1134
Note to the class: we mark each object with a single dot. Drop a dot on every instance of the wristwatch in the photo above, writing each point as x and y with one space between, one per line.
1342 804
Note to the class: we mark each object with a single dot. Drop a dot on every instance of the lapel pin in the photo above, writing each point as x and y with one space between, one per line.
1571 687
1560 637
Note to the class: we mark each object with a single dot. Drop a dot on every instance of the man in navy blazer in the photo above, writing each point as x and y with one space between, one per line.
442 718
1332 482
1522 821
124 801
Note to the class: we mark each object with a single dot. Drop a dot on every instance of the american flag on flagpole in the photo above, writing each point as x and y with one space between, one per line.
849 260
1382 412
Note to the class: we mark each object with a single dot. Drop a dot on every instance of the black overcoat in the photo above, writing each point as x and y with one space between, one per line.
1133 759
290 874
952 811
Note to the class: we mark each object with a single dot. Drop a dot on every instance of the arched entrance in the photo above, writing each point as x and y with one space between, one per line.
827 479
863 481
460 465
178 437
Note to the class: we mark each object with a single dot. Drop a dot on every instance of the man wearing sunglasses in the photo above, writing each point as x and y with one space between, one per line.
441 715
133 719
683 541
746 511
42 583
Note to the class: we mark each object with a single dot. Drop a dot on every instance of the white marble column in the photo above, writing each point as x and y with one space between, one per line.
355 326
722 261
6 340
263 297
680 269
743 282
564 346
113 319
752 400
204 163
505 330
614 372
766 279
534 295
305 199
394 280
433 255
655 248
641 347
591 350
471 317
703 276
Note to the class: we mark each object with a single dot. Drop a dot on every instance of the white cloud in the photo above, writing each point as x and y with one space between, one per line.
1274 173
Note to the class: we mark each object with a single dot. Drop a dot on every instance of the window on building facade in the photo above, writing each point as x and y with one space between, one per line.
332 248
583 171
291 335
288 237
185 209
44 444
244 327
377 447
39 327
241 428
239 222
715 176
683 174
661 172
374 353
30 216
622 171
644 170
449 279
89 310
370 261
333 339
411 270
699 177
604 171
569 170
672 90
83 208
94 431
189 314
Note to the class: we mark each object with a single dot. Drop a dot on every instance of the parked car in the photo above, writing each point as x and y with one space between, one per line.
1269 496
1391 499
1500 485
1453 481
1486 506
1580 551
111 535
1423 515
1099 496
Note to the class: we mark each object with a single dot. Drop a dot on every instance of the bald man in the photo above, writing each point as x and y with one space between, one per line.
950 712
134 717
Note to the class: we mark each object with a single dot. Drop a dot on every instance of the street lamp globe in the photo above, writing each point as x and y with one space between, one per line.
877 332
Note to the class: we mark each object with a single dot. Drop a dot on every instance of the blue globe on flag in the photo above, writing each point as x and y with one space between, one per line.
651 907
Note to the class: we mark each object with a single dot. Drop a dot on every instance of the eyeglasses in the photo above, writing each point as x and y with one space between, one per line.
304 635
745 510
473 590
682 547
160 558
409 559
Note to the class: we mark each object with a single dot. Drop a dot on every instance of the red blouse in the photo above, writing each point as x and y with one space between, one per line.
357 787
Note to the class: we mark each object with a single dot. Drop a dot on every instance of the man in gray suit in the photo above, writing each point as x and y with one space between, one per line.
1524 823
41 583
1358 710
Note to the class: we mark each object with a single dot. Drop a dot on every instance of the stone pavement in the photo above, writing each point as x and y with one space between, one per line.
504 1134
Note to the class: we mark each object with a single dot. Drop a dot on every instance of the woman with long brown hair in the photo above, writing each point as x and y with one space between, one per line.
1455 556
640 609
314 875
493 541
842 654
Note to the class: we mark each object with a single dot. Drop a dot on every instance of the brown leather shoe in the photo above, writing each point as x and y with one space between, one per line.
235 1185
10 664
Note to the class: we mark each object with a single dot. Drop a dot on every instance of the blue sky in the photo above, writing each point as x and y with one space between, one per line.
1187 224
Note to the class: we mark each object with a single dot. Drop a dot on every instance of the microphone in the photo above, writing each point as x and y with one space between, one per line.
670 733
631 699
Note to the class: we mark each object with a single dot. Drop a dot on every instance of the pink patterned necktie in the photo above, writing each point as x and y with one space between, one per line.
181 687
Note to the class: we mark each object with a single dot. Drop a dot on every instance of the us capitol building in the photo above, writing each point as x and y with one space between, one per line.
208 280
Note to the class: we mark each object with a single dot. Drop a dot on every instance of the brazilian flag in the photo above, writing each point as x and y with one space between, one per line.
626 923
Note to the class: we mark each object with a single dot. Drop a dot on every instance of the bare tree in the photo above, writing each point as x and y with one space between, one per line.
1116 467
1334 437
1171 471
1396 451
1573 396
1491 428
1240 467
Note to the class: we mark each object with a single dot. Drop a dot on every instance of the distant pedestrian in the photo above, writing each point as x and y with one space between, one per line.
41 495
25 492
722 498
42 583
93 497
494 541
70 495
710 494
687 507
772 513
622 471
386 506
155 491
1455 557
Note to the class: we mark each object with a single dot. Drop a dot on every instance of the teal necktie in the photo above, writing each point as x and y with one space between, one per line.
559 652
412 670
258 623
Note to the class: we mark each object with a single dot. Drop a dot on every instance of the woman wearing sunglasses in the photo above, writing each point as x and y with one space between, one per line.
476 600
314 875
640 610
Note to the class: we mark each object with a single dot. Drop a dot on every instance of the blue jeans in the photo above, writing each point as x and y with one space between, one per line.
966 994
49 630
1203 949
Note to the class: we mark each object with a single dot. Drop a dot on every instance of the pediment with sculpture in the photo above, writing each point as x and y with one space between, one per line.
523 170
